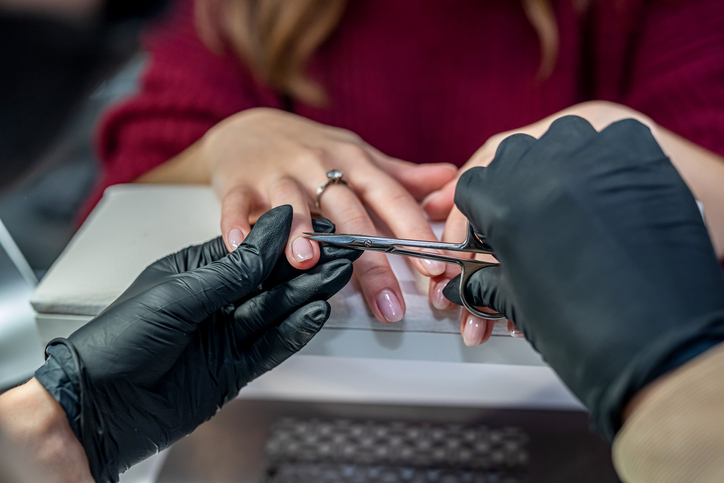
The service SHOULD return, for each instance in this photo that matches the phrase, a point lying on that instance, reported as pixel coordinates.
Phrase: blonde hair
(276, 38)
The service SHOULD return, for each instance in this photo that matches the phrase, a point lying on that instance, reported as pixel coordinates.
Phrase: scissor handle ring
(469, 267)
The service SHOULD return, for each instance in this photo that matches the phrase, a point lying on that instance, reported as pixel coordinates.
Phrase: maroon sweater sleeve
(185, 90)
(677, 70)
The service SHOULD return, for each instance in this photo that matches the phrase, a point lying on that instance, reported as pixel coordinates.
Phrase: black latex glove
(188, 334)
(606, 265)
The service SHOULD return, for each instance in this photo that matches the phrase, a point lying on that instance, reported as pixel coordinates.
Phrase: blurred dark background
(63, 62)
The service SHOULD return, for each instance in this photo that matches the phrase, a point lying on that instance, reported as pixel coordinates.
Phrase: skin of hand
(184, 338)
(261, 158)
(606, 264)
(702, 170)
(36, 442)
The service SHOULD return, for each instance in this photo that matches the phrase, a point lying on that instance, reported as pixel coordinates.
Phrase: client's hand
(262, 158)
(606, 265)
(188, 334)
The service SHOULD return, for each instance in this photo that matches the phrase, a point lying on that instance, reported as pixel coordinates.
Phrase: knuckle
(375, 270)
(309, 156)
(356, 219)
(355, 152)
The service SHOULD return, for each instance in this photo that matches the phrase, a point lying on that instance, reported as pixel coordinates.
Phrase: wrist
(666, 372)
(37, 427)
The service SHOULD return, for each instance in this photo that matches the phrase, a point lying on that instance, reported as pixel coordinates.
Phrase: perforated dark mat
(345, 450)
(308, 442)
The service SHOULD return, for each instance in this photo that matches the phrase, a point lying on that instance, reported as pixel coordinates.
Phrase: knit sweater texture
(431, 80)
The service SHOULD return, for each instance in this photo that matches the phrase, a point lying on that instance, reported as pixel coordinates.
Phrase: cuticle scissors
(468, 266)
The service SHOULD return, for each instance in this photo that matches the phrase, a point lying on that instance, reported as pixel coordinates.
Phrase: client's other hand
(186, 336)
(606, 265)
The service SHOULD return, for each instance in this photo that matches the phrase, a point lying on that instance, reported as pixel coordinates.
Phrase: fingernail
(434, 267)
(235, 238)
(473, 331)
(514, 332)
(430, 197)
(438, 299)
(302, 249)
(389, 306)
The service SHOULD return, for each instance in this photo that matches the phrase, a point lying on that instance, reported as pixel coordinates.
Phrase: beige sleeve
(677, 432)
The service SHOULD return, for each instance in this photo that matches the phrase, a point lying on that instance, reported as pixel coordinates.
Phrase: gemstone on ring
(334, 175)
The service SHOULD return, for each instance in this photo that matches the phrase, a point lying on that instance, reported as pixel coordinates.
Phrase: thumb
(485, 288)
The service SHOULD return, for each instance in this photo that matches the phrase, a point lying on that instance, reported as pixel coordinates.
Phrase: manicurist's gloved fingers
(565, 133)
(240, 272)
(284, 272)
(263, 311)
(474, 186)
(279, 343)
(485, 288)
(512, 148)
(194, 257)
(640, 145)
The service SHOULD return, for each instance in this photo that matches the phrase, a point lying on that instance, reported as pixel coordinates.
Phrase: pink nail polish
(473, 331)
(302, 249)
(389, 306)
(235, 238)
(434, 267)
(438, 299)
(518, 334)
(430, 197)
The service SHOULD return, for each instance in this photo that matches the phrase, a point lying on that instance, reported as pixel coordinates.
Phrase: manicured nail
(235, 238)
(438, 299)
(302, 249)
(514, 332)
(434, 267)
(389, 306)
(473, 331)
(430, 197)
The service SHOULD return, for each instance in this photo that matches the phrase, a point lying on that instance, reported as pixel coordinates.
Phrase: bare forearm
(185, 168)
(35, 427)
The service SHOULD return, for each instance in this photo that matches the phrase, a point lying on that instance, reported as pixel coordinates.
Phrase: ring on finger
(334, 176)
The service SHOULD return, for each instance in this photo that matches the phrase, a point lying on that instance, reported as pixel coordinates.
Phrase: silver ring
(334, 176)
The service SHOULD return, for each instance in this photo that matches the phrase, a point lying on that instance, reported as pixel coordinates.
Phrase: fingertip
(438, 204)
(490, 325)
(235, 225)
(234, 238)
(437, 294)
(450, 291)
(475, 330)
(302, 253)
(319, 311)
(389, 306)
(514, 331)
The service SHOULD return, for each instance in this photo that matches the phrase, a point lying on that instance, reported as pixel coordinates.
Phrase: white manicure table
(421, 360)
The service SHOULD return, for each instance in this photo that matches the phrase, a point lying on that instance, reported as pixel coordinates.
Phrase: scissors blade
(338, 239)
(375, 243)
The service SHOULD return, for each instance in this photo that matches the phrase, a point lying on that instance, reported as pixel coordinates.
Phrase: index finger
(396, 207)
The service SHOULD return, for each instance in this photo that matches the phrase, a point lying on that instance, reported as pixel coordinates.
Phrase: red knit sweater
(431, 80)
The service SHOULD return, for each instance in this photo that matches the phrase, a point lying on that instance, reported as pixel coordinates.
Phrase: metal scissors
(472, 244)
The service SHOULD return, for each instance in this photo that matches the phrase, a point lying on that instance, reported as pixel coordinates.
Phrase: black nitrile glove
(605, 263)
(186, 336)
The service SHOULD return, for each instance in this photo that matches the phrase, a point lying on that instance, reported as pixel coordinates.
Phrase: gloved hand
(186, 336)
(606, 265)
